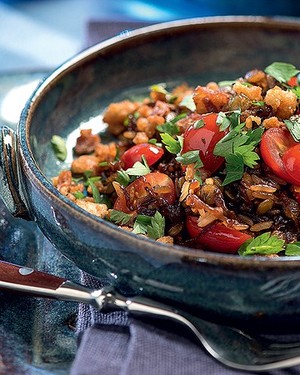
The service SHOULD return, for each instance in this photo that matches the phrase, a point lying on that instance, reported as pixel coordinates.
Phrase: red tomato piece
(293, 81)
(274, 144)
(204, 139)
(217, 237)
(157, 183)
(151, 153)
(291, 162)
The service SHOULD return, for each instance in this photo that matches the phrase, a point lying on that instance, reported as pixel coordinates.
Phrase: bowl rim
(47, 189)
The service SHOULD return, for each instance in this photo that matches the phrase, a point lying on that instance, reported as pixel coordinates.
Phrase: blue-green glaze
(254, 292)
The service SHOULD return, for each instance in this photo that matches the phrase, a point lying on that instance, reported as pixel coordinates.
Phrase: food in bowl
(215, 167)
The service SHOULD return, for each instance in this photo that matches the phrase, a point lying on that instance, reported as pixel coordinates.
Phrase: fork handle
(18, 275)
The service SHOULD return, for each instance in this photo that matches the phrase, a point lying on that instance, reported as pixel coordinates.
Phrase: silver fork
(230, 346)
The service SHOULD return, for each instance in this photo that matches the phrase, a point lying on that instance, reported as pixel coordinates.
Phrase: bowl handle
(10, 182)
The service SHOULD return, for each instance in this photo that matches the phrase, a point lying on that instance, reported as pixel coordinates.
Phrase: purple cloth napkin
(113, 343)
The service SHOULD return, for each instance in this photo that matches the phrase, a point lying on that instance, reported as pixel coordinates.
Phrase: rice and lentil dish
(215, 167)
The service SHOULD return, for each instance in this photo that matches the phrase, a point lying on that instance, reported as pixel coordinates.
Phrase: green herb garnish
(188, 102)
(156, 229)
(95, 192)
(293, 125)
(139, 168)
(123, 177)
(292, 249)
(78, 195)
(237, 146)
(141, 223)
(190, 157)
(296, 91)
(265, 244)
(161, 88)
(171, 127)
(153, 226)
(228, 119)
(59, 147)
(119, 217)
(234, 168)
(282, 72)
(173, 145)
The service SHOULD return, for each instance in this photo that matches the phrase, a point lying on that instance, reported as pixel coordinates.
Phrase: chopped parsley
(296, 91)
(282, 72)
(78, 195)
(95, 191)
(156, 229)
(152, 226)
(162, 89)
(188, 102)
(173, 145)
(264, 244)
(267, 244)
(237, 146)
(119, 217)
(139, 168)
(292, 249)
(59, 147)
(170, 127)
(293, 125)
(123, 178)
(190, 157)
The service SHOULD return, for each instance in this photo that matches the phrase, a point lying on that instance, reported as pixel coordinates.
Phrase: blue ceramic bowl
(253, 292)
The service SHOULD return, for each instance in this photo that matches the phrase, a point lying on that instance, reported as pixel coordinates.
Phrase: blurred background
(41, 34)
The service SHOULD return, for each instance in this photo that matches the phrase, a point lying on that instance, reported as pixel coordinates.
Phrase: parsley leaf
(188, 102)
(293, 125)
(141, 223)
(282, 72)
(78, 195)
(237, 147)
(292, 249)
(59, 147)
(264, 244)
(223, 121)
(190, 157)
(139, 168)
(161, 88)
(119, 217)
(199, 124)
(234, 168)
(171, 127)
(172, 145)
(249, 156)
(122, 178)
(95, 191)
(296, 91)
(226, 83)
(157, 227)
(153, 226)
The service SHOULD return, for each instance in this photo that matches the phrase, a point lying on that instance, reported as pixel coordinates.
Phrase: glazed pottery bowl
(224, 288)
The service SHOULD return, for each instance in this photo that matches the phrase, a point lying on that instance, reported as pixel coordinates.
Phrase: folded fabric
(115, 344)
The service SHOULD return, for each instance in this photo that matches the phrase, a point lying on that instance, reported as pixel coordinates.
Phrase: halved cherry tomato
(293, 81)
(216, 237)
(204, 139)
(274, 144)
(291, 163)
(151, 153)
(157, 183)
